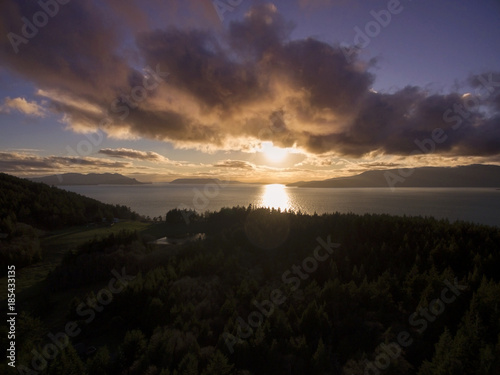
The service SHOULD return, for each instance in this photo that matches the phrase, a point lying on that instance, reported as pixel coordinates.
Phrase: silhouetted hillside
(47, 207)
(464, 176)
(87, 179)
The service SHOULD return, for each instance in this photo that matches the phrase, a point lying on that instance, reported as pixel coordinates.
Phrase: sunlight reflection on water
(275, 196)
(480, 205)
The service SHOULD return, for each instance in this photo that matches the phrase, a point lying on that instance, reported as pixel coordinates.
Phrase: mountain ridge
(475, 175)
(87, 179)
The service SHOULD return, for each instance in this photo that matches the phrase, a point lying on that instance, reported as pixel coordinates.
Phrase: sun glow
(273, 153)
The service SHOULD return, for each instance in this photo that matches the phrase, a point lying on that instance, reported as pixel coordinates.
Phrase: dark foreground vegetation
(268, 292)
(27, 209)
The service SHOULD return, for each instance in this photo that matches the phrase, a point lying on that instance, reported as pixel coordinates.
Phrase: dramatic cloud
(226, 90)
(128, 153)
(237, 164)
(23, 106)
(22, 162)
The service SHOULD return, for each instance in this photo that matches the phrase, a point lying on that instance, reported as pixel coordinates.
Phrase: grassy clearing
(31, 287)
(55, 245)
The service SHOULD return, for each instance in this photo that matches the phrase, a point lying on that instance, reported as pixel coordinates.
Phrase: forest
(271, 292)
(27, 209)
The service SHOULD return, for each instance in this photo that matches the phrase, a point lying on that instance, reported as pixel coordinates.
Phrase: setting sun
(273, 153)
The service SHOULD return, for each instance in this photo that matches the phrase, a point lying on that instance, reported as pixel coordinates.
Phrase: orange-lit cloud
(23, 106)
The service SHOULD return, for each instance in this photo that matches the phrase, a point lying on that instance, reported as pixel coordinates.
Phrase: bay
(479, 205)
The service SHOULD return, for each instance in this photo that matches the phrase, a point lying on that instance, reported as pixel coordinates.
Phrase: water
(480, 205)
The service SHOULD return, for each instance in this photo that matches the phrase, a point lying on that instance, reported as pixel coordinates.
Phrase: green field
(30, 280)
(31, 286)
(58, 243)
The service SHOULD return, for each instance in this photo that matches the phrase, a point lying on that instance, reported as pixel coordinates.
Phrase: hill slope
(87, 179)
(48, 207)
(464, 176)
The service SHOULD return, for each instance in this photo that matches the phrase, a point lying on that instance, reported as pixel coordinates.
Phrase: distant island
(203, 181)
(87, 179)
(463, 176)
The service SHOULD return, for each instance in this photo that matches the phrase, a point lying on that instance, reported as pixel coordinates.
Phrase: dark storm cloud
(74, 51)
(251, 82)
(261, 32)
(199, 66)
(398, 123)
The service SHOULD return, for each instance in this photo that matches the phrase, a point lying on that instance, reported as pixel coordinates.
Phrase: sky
(255, 91)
